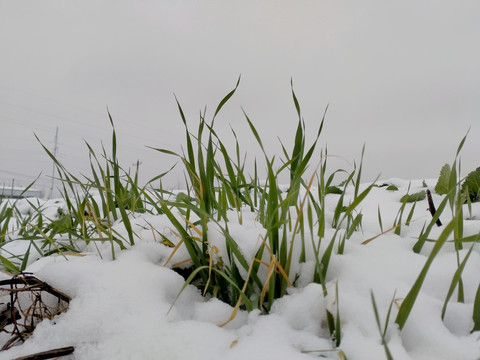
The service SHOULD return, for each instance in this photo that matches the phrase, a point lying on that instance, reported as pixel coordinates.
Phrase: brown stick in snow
(50, 354)
(431, 207)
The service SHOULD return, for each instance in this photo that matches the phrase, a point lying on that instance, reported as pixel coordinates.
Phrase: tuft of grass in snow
(383, 332)
(449, 184)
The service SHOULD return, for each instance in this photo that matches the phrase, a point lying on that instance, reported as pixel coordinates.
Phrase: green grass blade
(410, 214)
(460, 146)
(424, 234)
(382, 333)
(356, 223)
(255, 132)
(338, 323)
(380, 219)
(359, 199)
(456, 280)
(476, 311)
(127, 224)
(9, 266)
(226, 98)
(359, 173)
(198, 258)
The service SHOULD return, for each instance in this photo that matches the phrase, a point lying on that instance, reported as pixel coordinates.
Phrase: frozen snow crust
(122, 309)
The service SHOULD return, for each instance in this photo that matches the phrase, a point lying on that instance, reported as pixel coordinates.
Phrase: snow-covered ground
(122, 309)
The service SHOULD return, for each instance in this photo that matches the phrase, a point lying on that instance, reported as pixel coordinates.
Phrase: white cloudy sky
(403, 77)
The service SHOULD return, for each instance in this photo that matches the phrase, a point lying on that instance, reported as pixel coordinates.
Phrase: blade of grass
(476, 311)
(225, 99)
(456, 279)
(382, 333)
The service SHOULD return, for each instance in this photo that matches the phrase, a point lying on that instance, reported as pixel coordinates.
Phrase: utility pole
(55, 149)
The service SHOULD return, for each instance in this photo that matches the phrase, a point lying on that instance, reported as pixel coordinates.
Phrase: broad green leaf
(442, 184)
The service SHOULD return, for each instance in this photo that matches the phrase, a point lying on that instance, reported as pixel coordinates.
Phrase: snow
(129, 308)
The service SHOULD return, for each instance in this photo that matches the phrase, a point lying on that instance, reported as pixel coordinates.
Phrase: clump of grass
(383, 331)
(219, 183)
(455, 197)
(411, 297)
(93, 205)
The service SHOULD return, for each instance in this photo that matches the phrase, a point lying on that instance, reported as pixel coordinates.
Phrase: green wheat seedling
(455, 198)
(16, 225)
(218, 183)
(215, 192)
(398, 222)
(383, 332)
(448, 185)
(11, 220)
(476, 311)
(352, 222)
(457, 280)
(348, 215)
(411, 297)
(334, 322)
(274, 205)
(119, 194)
(8, 219)
(379, 216)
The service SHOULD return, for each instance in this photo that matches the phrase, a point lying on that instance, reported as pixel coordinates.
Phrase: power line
(22, 123)
(81, 123)
(49, 99)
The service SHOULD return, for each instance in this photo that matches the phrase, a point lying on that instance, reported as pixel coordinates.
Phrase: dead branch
(50, 354)
(431, 207)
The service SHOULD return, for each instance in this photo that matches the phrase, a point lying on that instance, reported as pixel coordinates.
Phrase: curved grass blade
(225, 99)
(382, 333)
(476, 311)
(255, 132)
(456, 280)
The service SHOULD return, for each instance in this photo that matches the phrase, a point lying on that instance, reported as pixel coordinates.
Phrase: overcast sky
(403, 77)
